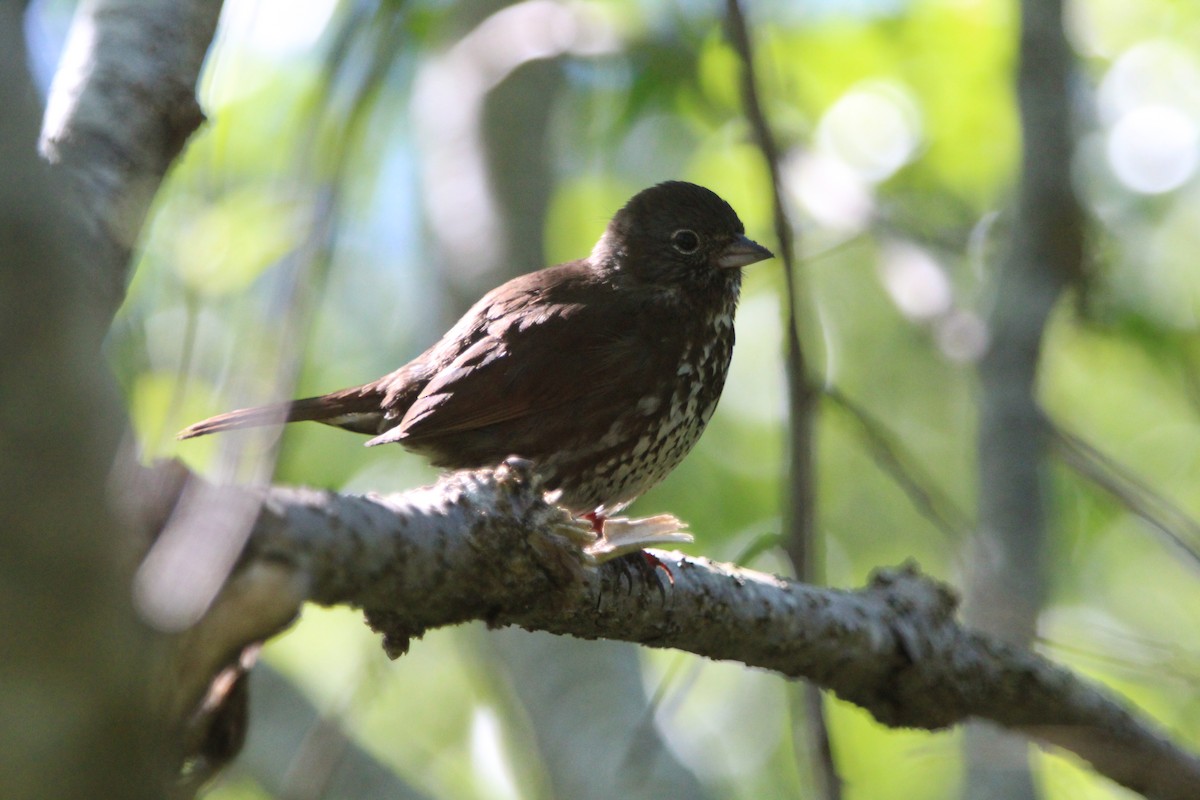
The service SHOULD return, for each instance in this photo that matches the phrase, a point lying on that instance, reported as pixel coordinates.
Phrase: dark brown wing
(555, 343)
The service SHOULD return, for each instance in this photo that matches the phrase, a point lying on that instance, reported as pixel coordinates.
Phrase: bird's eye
(685, 241)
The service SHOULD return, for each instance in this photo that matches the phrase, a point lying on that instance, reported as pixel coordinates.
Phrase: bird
(602, 372)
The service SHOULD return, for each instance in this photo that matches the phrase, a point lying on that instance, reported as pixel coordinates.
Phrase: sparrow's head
(677, 233)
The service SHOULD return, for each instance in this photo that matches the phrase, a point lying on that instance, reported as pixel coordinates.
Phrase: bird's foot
(620, 536)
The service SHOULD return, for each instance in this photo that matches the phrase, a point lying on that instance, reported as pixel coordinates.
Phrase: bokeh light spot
(874, 129)
(1153, 149)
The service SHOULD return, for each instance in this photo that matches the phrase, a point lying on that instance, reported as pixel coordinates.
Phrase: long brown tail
(358, 409)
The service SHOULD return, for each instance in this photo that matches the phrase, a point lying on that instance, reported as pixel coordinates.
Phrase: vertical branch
(1006, 591)
(75, 717)
(121, 108)
(802, 397)
(800, 514)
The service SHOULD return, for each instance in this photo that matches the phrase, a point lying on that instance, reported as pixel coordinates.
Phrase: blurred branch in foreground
(76, 720)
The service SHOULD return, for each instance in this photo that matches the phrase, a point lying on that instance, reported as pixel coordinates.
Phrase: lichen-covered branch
(484, 545)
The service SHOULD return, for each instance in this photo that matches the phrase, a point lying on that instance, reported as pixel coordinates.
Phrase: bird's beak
(742, 252)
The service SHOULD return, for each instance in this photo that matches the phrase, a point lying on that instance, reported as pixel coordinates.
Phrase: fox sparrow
(603, 371)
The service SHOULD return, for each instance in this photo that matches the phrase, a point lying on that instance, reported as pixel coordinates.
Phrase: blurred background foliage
(370, 167)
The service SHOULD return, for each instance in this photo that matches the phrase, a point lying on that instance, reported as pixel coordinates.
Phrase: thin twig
(803, 399)
(1127, 489)
(891, 457)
